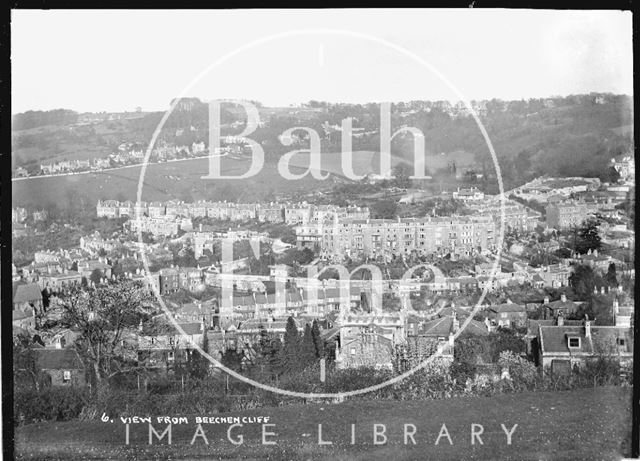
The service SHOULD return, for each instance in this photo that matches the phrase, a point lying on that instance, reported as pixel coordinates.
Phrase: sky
(117, 60)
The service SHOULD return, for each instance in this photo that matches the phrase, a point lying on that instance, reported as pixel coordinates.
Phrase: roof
(554, 339)
(20, 314)
(55, 359)
(444, 326)
(507, 307)
(559, 304)
(166, 329)
(532, 325)
(26, 292)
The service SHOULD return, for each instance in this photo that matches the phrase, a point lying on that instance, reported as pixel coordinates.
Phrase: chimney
(140, 326)
(616, 306)
(563, 298)
(602, 290)
(560, 320)
(587, 327)
(546, 300)
(451, 340)
(456, 323)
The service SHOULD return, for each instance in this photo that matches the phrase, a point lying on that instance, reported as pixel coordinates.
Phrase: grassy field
(569, 425)
(366, 162)
(172, 180)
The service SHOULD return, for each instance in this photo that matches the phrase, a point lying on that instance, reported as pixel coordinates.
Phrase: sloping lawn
(568, 425)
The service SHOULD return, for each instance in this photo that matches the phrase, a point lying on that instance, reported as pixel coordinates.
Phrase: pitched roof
(167, 329)
(603, 339)
(55, 359)
(20, 314)
(26, 292)
(507, 307)
(444, 326)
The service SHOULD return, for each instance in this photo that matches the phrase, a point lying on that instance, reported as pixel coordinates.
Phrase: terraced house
(384, 238)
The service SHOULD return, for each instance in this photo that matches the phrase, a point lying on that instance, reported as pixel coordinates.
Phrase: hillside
(586, 424)
(575, 135)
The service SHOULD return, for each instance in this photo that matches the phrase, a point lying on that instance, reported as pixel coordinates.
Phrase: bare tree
(103, 317)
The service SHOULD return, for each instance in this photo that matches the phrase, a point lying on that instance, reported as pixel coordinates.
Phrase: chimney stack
(546, 300)
(560, 319)
(563, 298)
(451, 340)
(587, 327)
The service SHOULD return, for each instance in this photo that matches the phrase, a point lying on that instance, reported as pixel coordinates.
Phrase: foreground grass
(581, 424)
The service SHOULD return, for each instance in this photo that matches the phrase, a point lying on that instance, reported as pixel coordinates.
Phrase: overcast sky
(98, 60)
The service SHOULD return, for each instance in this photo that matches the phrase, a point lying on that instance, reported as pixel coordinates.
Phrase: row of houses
(289, 213)
(372, 238)
(160, 225)
(19, 215)
(517, 217)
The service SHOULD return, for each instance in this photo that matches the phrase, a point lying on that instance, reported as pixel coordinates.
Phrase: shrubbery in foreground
(435, 381)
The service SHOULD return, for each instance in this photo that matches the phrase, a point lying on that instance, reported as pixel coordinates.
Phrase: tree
(583, 280)
(96, 276)
(401, 175)
(308, 348)
(317, 339)
(198, 364)
(232, 359)
(290, 353)
(611, 277)
(588, 237)
(102, 316)
(611, 175)
(270, 351)
(25, 364)
(385, 209)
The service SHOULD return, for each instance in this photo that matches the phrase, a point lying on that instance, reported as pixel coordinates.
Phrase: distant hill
(563, 136)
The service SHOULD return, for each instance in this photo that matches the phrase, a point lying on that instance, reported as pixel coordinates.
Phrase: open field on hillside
(172, 180)
(585, 424)
(366, 162)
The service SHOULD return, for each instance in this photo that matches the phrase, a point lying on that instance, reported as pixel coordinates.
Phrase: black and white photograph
(319, 234)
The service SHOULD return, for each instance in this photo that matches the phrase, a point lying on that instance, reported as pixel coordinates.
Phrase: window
(621, 342)
(66, 376)
(574, 342)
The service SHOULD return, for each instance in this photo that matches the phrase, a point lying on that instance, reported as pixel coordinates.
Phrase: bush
(523, 373)
(51, 404)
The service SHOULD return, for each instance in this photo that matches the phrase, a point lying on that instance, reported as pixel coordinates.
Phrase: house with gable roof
(563, 347)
